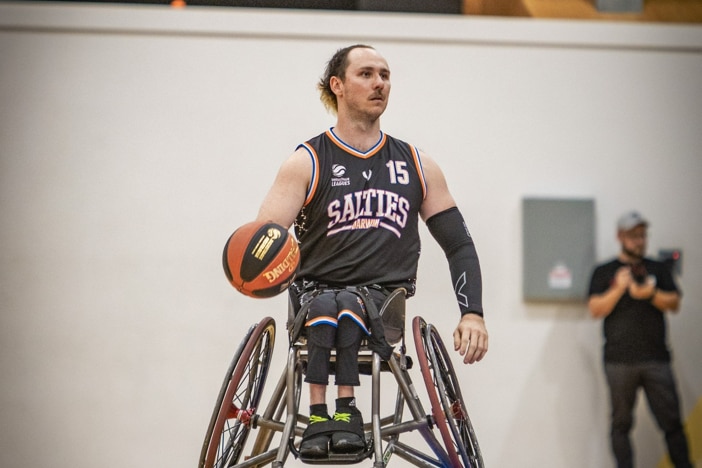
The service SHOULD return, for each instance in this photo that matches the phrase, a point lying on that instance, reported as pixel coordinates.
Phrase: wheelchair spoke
(444, 392)
(239, 397)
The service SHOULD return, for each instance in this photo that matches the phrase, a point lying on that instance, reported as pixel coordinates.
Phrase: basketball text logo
(264, 243)
(289, 264)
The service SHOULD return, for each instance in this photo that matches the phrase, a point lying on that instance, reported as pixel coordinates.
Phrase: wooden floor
(663, 11)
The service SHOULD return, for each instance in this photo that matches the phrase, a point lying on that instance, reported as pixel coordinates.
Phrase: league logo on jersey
(338, 172)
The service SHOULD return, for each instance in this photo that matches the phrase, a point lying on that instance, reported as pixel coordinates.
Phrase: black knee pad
(348, 341)
(347, 367)
(318, 365)
(321, 321)
(351, 320)
(349, 334)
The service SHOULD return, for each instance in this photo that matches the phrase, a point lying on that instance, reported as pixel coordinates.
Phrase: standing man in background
(632, 293)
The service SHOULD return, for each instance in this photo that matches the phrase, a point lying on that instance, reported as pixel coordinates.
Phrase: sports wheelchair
(242, 431)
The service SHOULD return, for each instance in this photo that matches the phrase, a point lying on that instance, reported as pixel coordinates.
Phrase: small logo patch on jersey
(367, 174)
(338, 172)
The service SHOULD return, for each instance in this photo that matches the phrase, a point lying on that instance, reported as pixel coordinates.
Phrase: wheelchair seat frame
(447, 429)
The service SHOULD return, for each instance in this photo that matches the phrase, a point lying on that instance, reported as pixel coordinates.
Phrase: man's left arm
(470, 338)
(447, 226)
(660, 290)
(666, 301)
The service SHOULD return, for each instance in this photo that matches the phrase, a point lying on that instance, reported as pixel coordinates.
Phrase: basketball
(261, 259)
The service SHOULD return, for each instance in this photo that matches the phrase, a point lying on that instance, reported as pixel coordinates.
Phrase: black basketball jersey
(358, 225)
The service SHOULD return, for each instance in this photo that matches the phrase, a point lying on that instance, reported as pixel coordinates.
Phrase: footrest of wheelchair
(340, 458)
(366, 367)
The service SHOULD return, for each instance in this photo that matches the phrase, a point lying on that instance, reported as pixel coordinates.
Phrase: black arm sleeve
(450, 231)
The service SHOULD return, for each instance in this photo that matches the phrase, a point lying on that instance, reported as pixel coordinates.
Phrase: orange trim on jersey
(353, 151)
(420, 170)
(314, 180)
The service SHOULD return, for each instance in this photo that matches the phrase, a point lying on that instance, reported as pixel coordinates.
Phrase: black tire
(238, 398)
(448, 407)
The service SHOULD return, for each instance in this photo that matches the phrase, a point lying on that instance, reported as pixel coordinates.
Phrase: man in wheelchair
(336, 318)
(355, 195)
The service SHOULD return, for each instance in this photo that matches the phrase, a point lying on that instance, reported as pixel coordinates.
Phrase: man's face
(634, 242)
(365, 89)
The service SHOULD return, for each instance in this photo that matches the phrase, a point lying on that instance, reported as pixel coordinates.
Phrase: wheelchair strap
(376, 340)
(310, 289)
(299, 320)
(330, 427)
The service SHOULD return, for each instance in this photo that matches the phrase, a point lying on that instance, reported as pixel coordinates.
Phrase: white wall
(133, 140)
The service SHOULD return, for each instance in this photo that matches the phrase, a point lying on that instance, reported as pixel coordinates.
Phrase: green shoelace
(317, 419)
(343, 417)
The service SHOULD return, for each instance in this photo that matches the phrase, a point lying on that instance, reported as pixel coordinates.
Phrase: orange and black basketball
(261, 259)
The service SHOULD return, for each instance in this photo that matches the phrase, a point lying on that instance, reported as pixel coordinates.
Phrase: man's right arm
(287, 195)
(601, 305)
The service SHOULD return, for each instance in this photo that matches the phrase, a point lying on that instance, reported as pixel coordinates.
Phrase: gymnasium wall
(134, 139)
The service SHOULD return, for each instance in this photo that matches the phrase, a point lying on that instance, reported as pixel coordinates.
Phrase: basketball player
(355, 195)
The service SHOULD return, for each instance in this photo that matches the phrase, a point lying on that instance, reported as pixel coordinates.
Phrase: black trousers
(658, 383)
(336, 319)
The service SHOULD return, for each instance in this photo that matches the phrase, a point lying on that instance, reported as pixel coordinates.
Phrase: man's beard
(634, 255)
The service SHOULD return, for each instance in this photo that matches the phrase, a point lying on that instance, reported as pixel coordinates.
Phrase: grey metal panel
(558, 248)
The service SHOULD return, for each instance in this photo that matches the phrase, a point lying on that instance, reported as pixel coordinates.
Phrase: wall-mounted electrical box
(558, 248)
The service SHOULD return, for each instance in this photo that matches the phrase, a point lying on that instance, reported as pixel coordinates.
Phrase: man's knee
(322, 322)
(351, 320)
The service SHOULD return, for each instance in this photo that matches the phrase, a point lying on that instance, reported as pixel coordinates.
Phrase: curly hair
(336, 66)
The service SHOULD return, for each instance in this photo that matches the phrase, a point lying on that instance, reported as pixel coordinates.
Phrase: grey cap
(630, 220)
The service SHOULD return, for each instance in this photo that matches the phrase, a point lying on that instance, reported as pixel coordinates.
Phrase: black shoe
(314, 444)
(351, 440)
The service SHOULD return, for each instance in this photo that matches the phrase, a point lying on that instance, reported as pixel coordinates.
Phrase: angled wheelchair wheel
(448, 407)
(238, 398)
